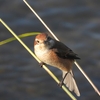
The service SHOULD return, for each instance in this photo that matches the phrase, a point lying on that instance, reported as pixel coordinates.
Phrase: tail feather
(69, 81)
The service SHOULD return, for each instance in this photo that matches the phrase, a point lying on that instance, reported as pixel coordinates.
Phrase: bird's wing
(63, 51)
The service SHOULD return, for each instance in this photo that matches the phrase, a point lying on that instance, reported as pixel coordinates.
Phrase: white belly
(43, 56)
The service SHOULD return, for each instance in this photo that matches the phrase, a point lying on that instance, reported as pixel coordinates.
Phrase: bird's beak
(45, 42)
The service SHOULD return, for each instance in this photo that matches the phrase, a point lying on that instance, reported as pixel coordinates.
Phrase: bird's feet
(41, 64)
(60, 83)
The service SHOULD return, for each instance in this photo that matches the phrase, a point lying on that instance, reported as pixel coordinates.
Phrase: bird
(58, 55)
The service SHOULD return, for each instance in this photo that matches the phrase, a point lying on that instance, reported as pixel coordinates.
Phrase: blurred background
(75, 22)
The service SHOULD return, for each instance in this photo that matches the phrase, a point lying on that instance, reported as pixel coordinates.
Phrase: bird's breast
(50, 57)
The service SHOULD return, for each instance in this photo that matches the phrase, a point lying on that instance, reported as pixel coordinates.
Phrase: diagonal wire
(78, 66)
(33, 55)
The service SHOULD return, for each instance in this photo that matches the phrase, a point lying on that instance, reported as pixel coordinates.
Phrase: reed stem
(33, 55)
(85, 75)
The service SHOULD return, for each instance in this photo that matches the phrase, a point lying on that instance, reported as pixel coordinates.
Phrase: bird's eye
(37, 41)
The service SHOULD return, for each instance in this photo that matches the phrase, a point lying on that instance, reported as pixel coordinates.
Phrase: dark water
(74, 22)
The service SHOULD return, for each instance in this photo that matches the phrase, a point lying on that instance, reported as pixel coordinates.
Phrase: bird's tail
(69, 81)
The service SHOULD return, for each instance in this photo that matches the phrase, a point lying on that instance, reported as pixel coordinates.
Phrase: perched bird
(56, 54)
